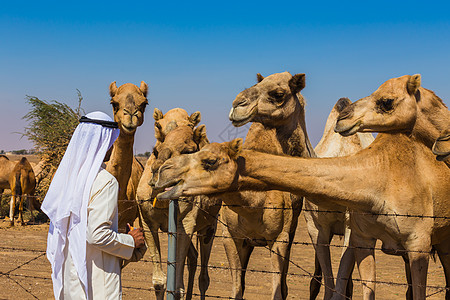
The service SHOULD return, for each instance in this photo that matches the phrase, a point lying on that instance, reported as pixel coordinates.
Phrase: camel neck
(121, 161)
(325, 179)
(289, 138)
(432, 118)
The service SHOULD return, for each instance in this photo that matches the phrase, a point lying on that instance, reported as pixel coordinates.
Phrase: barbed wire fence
(303, 272)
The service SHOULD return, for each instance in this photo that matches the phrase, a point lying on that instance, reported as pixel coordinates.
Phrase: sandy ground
(32, 280)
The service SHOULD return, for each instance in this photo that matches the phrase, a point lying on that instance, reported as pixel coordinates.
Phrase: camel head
(128, 102)
(442, 146)
(164, 123)
(181, 140)
(271, 101)
(211, 170)
(391, 108)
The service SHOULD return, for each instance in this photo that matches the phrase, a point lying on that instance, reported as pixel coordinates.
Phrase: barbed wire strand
(439, 288)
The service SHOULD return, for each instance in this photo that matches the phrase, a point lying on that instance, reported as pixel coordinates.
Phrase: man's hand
(138, 236)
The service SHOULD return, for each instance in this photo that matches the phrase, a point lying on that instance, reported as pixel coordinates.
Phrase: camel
(277, 110)
(22, 183)
(155, 218)
(6, 168)
(395, 177)
(128, 102)
(322, 225)
(442, 146)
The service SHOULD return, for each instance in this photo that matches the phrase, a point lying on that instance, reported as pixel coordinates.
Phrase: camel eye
(115, 106)
(386, 105)
(210, 164)
(277, 96)
(188, 151)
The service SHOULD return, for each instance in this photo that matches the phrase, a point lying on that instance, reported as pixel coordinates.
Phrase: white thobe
(105, 247)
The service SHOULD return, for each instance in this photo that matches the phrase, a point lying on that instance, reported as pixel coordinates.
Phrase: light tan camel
(321, 221)
(22, 183)
(163, 125)
(442, 146)
(277, 110)
(128, 102)
(6, 168)
(155, 218)
(395, 177)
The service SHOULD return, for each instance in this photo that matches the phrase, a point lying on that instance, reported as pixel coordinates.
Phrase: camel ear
(259, 77)
(235, 148)
(195, 118)
(158, 132)
(297, 83)
(157, 114)
(341, 104)
(112, 89)
(200, 134)
(144, 88)
(413, 84)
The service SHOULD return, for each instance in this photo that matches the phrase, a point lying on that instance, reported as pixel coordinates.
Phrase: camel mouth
(347, 130)
(239, 116)
(241, 122)
(129, 128)
(171, 190)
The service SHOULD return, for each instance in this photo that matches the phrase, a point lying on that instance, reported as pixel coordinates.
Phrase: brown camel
(321, 225)
(155, 218)
(396, 176)
(22, 183)
(442, 146)
(277, 110)
(128, 102)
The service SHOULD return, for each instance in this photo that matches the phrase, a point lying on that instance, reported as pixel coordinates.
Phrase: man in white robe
(83, 246)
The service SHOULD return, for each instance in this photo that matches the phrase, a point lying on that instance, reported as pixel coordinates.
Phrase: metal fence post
(172, 250)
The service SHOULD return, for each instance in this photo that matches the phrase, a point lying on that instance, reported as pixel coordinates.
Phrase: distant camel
(23, 184)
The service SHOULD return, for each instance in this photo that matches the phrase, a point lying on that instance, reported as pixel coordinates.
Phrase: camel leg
(21, 209)
(321, 237)
(184, 247)
(419, 268)
(12, 206)
(238, 254)
(206, 242)
(315, 283)
(280, 261)
(192, 257)
(365, 258)
(153, 246)
(443, 251)
(409, 294)
(344, 284)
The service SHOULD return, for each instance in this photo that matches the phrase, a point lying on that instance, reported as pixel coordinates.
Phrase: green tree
(50, 127)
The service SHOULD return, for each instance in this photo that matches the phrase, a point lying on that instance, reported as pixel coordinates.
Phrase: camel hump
(25, 163)
(2, 155)
(341, 104)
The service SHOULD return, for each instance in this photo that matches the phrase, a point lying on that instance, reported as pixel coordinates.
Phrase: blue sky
(199, 55)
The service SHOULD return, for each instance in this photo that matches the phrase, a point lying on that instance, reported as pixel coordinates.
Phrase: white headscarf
(68, 196)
